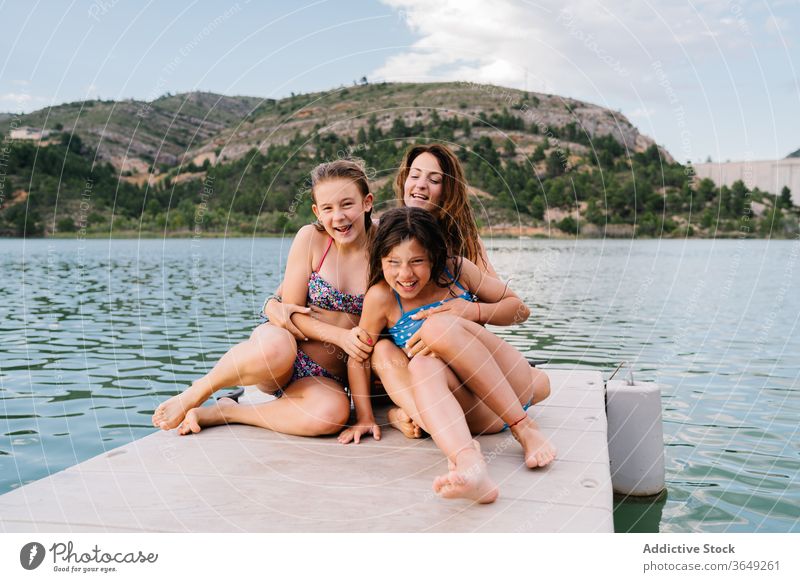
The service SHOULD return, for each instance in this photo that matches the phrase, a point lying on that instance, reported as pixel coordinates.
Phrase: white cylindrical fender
(635, 437)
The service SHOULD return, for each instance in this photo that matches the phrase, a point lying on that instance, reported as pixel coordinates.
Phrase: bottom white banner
(120, 557)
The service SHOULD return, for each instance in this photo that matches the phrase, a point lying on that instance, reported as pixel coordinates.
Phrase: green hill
(206, 163)
(134, 134)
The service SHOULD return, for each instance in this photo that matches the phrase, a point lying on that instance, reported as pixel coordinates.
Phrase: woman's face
(423, 186)
(407, 268)
(340, 208)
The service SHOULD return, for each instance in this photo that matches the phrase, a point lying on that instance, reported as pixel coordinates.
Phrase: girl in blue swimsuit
(432, 178)
(409, 273)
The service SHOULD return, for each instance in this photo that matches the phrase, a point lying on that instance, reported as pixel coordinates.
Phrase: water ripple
(94, 334)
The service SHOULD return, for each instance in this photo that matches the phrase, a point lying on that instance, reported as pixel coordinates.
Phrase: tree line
(594, 180)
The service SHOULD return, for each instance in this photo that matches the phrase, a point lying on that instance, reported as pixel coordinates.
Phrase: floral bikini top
(326, 296)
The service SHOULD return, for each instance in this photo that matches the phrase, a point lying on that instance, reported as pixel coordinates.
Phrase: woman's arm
(497, 304)
(485, 260)
(273, 299)
(373, 320)
(373, 316)
(358, 378)
(298, 267)
(279, 313)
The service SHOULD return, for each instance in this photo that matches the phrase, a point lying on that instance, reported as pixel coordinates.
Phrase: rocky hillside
(204, 163)
(132, 135)
(193, 127)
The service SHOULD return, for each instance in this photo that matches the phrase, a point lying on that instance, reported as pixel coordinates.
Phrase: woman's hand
(280, 314)
(359, 429)
(458, 307)
(355, 342)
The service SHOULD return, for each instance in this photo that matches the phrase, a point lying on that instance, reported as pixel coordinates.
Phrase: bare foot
(400, 420)
(451, 466)
(199, 418)
(538, 450)
(171, 413)
(468, 478)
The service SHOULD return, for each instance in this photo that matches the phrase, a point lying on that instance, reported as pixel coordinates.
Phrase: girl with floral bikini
(326, 268)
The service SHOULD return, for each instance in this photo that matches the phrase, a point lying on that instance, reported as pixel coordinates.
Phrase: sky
(715, 79)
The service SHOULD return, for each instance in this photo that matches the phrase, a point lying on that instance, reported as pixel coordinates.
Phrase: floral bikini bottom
(305, 367)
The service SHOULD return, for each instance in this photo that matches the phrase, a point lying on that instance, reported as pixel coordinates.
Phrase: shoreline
(484, 233)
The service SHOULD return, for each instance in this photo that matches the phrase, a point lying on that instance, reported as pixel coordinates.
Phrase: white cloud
(583, 48)
(645, 112)
(21, 102)
(777, 25)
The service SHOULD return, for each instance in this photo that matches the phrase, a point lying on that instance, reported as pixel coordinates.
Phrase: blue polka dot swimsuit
(405, 327)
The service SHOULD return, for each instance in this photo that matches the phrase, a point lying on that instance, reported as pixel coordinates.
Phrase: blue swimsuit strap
(466, 295)
(454, 280)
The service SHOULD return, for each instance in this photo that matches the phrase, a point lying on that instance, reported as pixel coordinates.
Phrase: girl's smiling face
(423, 186)
(407, 268)
(340, 207)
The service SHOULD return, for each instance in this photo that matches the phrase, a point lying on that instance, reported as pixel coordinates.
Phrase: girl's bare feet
(538, 450)
(171, 413)
(199, 418)
(403, 422)
(467, 478)
(451, 466)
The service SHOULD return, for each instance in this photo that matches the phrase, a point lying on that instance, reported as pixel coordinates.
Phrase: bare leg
(443, 418)
(266, 359)
(309, 407)
(476, 366)
(391, 365)
(451, 339)
(538, 451)
(513, 365)
(541, 385)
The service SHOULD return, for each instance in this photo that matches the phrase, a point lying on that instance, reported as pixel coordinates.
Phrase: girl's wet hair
(349, 169)
(455, 213)
(401, 224)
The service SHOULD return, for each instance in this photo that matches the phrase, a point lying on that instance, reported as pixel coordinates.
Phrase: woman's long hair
(406, 223)
(455, 214)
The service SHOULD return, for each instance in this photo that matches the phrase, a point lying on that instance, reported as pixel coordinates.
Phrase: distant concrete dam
(766, 175)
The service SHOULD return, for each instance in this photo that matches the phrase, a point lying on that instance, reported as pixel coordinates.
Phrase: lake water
(94, 333)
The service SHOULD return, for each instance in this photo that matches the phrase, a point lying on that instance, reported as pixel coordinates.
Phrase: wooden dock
(244, 479)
